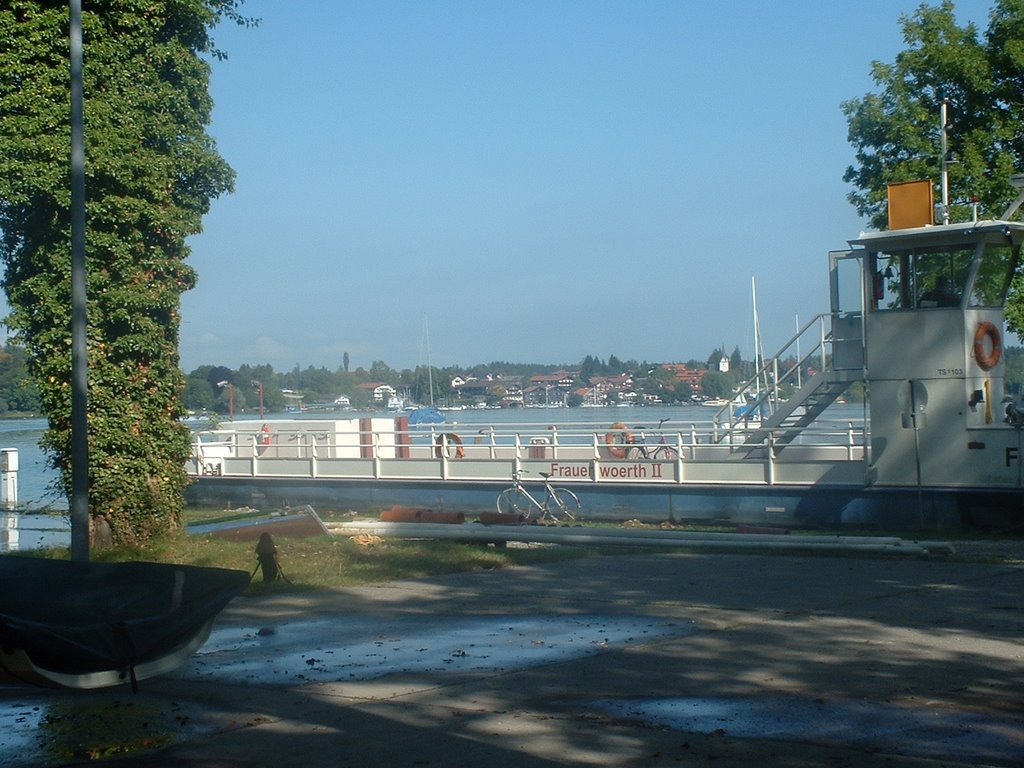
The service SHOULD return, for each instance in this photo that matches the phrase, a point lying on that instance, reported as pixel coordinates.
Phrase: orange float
(986, 359)
(443, 446)
(618, 439)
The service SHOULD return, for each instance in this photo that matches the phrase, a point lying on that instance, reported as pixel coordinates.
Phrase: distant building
(380, 393)
(682, 372)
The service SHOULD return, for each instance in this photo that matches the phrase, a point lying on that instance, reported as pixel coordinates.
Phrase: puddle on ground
(921, 731)
(363, 648)
(41, 729)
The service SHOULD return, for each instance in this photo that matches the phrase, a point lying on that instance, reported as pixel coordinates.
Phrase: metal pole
(79, 320)
(917, 453)
(945, 170)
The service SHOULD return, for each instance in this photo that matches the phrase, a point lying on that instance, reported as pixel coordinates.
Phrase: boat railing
(446, 451)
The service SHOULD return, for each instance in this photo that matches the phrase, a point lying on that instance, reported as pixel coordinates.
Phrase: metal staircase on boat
(763, 414)
(802, 407)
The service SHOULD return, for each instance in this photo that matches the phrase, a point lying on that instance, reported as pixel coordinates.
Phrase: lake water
(24, 530)
(34, 477)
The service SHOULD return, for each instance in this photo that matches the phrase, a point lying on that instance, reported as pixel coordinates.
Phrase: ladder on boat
(838, 363)
(805, 405)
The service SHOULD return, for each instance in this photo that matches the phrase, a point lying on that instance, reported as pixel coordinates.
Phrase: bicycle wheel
(514, 501)
(565, 502)
(666, 453)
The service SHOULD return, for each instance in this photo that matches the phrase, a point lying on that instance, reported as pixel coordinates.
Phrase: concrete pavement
(649, 659)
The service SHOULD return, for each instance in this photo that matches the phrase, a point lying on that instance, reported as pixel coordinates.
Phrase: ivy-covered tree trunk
(151, 172)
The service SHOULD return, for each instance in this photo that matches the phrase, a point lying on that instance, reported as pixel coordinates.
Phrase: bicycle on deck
(660, 451)
(558, 503)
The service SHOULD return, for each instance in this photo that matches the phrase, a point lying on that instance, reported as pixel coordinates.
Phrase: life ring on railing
(987, 360)
(443, 446)
(617, 448)
(265, 435)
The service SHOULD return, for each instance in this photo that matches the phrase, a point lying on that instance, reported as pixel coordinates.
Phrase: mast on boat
(758, 349)
(430, 368)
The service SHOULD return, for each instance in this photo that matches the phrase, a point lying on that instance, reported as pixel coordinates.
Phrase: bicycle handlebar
(661, 423)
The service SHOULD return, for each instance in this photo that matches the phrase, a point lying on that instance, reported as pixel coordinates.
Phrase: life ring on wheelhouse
(618, 438)
(444, 444)
(987, 360)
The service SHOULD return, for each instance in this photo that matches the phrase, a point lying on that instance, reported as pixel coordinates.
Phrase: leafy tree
(736, 361)
(199, 393)
(591, 366)
(716, 384)
(18, 393)
(382, 372)
(896, 131)
(682, 392)
(151, 172)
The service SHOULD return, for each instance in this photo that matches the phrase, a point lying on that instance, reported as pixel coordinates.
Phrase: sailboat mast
(757, 346)
(758, 350)
(430, 368)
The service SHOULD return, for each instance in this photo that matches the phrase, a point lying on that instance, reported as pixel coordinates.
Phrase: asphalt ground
(646, 660)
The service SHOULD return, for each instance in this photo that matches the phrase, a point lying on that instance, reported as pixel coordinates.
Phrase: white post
(9, 477)
(9, 539)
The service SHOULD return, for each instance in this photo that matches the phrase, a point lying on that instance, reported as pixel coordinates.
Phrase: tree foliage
(18, 393)
(151, 172)
(896, 131)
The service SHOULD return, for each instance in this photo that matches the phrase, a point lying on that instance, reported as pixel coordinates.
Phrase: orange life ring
(265, 435)
(444, 443)
(618, 449)
(987, 360)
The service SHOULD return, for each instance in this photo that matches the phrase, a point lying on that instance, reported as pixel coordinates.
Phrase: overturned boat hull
(94, 625)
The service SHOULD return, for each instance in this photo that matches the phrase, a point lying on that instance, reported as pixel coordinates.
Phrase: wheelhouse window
(994, 275)
(921, 278)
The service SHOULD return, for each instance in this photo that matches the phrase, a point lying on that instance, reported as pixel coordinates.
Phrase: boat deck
(571, 454)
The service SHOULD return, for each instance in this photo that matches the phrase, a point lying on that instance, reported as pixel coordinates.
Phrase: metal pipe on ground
(644, 538)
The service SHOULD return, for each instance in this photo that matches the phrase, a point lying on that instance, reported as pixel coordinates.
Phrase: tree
(896, 132)
(151, 172)
(18, 392)
(716, 384)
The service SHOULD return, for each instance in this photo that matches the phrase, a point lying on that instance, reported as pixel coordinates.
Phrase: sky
(472, 181)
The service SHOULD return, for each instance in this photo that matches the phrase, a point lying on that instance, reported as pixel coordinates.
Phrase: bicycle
(661, 451)
(558, 502)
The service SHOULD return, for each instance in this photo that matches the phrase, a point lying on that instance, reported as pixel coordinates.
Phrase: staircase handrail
(765, 401)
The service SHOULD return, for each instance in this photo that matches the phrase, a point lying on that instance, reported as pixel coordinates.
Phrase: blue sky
(532, 181)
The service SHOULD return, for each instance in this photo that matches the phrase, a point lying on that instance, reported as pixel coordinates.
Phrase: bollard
(266, 558)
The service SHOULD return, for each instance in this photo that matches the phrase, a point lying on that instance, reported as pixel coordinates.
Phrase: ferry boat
(916, 324)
